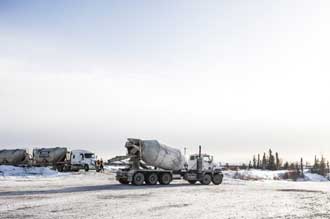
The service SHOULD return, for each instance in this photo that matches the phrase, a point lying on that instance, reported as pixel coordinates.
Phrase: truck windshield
(89, 155)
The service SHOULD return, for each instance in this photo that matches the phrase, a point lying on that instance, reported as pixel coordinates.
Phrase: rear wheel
(165, 179)
(152, 179)
(217, 179)
(138, 179)
(206, 180)
(192, 181)
(123, 181)
(60, 168)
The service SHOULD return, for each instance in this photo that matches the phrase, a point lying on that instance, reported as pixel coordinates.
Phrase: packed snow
(39, 192)
(98, 195)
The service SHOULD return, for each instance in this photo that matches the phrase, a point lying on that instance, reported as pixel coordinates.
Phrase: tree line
(271, 161)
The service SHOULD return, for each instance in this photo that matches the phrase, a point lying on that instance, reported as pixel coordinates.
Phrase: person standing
(101, 166)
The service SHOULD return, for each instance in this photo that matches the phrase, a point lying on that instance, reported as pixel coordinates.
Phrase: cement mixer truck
(151, 162)
(60, 158)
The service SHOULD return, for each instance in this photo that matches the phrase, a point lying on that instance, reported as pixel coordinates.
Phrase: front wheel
(192, 181)
(86, 168)
(217, 179)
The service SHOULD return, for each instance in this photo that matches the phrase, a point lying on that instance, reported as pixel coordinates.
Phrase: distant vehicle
(59, 158)
(151, 162)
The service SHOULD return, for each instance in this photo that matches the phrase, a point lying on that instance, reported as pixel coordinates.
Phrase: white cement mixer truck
(151, 162)
(60, 158)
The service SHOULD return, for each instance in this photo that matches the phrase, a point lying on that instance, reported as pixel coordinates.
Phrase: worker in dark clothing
(101, 166)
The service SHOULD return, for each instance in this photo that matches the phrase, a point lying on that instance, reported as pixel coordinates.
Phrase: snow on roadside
(13, 171)
(315, 177)
(253, 174)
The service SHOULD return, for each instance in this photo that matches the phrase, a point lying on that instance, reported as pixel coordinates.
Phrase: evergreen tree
(291, 166)
(254, 162)
(322, 167)
(278, 165)
(297, 169)
(302, 167)
(271, 162)
(250, 165)
(316, 163)
(328, 166)
(264, 161)
(258, 163)
(286, 165)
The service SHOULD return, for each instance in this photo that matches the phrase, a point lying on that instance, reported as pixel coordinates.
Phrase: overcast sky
(236, 77)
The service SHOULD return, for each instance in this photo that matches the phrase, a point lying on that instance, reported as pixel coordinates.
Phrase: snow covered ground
(7, 171)
(254, 174)
(98, 195)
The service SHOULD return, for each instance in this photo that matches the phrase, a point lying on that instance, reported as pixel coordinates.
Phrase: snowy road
(96, 195)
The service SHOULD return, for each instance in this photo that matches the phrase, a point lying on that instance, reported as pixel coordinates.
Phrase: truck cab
(82, 159)
(208, 163)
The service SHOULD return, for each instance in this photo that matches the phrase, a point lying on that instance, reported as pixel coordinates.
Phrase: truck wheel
(86, 168)
(138, 179)
(192, 181)
(217, 179)
(152, 179)
(206, 180)
(60, 168)
(123, 181)
(165, 179)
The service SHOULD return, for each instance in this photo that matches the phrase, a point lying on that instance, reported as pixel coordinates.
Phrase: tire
(60, 168)
(217, 179)
(123, 181)
(206, 180)
(165, 179)
(192, 181)
(86, 168)
(152, 179)
(138, 179)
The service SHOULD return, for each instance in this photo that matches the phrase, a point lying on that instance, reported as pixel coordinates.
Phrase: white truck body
(152, 162)
(82, 158)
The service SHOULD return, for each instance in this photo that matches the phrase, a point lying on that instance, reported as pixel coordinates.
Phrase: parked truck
(151, 162)
(60, 158)
(14, 156)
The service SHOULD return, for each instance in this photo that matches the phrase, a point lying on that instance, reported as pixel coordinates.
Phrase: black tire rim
(153, 179)
(217, 179)
(206, 179)
(166, 178)
(138, 179)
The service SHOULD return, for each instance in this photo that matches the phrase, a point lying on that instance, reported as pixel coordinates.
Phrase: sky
(237, 77)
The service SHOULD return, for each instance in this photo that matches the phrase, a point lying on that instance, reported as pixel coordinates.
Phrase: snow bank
(253, 174)
(6, 170)
(315, 177)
